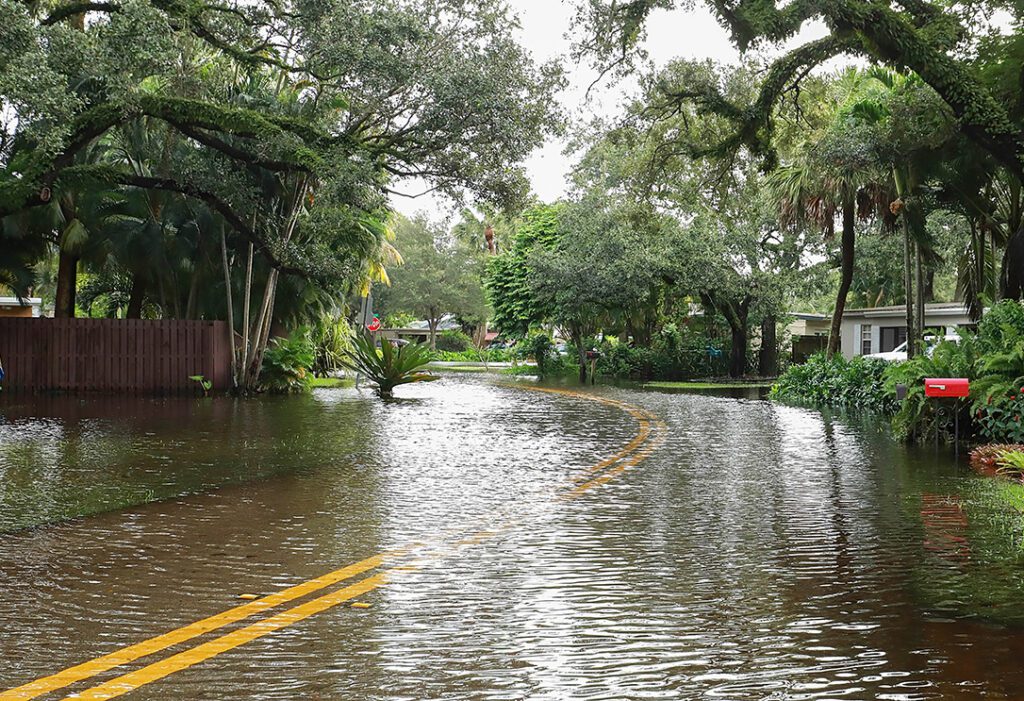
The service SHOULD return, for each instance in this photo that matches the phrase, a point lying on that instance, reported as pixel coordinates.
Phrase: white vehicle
(899, 353)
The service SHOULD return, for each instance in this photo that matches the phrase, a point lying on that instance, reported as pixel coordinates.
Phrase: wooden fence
(124, 356)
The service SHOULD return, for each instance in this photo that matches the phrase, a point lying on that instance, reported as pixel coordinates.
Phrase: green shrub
(837, 382)
(287, 363)
(332, 340)
(494, 355)
(453, 341)
(917, 415)
(539, 348)
(1000, 326)
(998, 382)
(674, 354)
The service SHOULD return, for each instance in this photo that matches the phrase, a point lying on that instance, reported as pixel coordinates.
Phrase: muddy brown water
(760, 552)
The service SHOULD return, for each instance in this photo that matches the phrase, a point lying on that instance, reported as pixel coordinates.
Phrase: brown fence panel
(114, 355)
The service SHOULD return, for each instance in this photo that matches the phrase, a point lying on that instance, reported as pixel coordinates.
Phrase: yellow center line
(182, 660)
(190, 631)
(160, 669)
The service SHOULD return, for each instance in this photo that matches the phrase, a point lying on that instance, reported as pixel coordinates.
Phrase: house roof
(899, 310)
(447, 323)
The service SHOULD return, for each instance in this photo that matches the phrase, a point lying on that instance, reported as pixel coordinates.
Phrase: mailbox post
(948, 387)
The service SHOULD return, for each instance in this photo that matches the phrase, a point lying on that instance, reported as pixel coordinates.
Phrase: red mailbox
(947, 387)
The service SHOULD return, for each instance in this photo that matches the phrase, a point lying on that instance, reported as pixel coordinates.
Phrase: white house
(881, 329)
(27, 307)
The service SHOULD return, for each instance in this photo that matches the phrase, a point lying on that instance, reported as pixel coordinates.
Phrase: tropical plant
(332, 341)
(918, 415)
(287, 363)
(388, 367)
(204, 384)
(1011, 462)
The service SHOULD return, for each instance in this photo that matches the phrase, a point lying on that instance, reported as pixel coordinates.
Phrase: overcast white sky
(545, 23)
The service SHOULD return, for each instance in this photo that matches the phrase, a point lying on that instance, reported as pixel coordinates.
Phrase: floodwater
(735, 549)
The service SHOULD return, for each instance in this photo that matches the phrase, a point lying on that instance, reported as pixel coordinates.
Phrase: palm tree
(810, 195)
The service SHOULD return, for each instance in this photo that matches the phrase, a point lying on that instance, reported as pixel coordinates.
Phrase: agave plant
(388, 367)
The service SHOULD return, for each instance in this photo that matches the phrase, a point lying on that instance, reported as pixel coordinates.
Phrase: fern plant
(388, 367)
(1011, 462)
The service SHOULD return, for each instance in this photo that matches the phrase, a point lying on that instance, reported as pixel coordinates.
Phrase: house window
(865, 339)
(892, 336)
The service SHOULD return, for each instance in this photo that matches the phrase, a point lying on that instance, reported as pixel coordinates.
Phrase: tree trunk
(738, 353)
(848, 251)
(432, 323)
(1011, 279)
(908, 288)
(67, 281)
(768, 357)
(230, 307)
(135, 297)
(581, 353)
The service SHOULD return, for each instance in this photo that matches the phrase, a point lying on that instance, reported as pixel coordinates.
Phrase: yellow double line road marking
(193, 630)
(204, 651)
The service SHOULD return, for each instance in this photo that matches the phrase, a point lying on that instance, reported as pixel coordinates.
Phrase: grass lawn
(459, 368)
(331, 382)
(707, 385)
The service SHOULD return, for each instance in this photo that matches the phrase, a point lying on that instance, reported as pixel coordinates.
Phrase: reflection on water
(763, 552)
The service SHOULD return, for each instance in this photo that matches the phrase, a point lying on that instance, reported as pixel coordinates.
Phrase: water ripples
(762, 552)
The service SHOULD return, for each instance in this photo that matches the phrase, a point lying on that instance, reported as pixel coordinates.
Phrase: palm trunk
(902, 191)
(919, 291)
(136, 297)
(847, 253)
(1011, 280)
(67, 282)
(908, 288)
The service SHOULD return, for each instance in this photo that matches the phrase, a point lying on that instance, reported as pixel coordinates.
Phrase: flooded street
(499, 543)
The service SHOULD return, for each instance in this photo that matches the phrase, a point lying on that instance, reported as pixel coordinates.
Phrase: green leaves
(388, 367)
(74, 237)
(508, 279)
(287, 363)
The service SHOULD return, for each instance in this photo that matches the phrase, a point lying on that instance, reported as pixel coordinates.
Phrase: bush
(453, 341)
(493, 355)
(1000, 326)
(539, 348)
(332, 341)
(917, 415)
(838, 382)
(673, 355)
(287, 363)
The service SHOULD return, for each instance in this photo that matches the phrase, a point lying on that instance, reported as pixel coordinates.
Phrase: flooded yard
(602, 543)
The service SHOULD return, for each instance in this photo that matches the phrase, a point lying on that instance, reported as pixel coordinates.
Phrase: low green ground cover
(707, 385)
(330, 382)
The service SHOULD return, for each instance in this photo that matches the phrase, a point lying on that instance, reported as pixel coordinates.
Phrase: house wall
(852, 327)
(15, 312)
